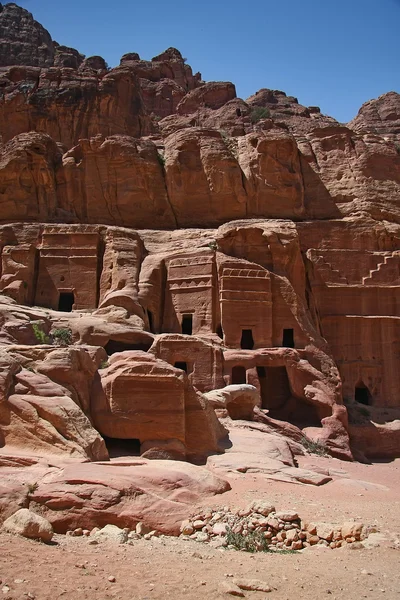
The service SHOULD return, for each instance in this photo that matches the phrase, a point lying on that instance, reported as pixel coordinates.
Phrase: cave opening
(247, 341)
(238, 375)
(122, 447)
(181, 365)
(187, 324)
(66, 301)
(362, 394)
(220, 332)
(288, 338)
(274, 388)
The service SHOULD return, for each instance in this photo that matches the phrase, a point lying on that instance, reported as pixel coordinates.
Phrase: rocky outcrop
(40, 417)
(146, 399)
(237, 400)
(295, 293)
(380, 116)
(287, 111)
(156, 493)
(23, 40)
(69, 105)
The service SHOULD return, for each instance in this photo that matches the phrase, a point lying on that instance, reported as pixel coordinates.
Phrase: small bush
(315, 447)
(39, 334)
(62, 336)
(213, 245)
(161, 159)
(259, 112)
(252, 542)
(103, 364)
(32, 487)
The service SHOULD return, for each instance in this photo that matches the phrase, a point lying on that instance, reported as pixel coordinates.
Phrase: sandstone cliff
(202, 239)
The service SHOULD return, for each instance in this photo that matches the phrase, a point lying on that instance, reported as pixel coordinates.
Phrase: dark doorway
(274, 395)
(181, 365)
(247, 342)
(113, 346)
(288, 338)
(150, 318)
(261, 372)
(238, 375)
(362, 394)
(66, 301)
(187, 324)
(119, 447)
(219, 332)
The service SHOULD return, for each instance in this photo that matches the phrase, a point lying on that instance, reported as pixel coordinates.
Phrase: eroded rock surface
(166, 246)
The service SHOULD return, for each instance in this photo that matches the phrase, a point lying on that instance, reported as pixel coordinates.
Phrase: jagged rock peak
(168, 55)
(23, 41)
(380, 115)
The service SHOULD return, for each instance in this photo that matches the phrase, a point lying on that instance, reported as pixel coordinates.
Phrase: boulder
(239, 400)
(30, 525)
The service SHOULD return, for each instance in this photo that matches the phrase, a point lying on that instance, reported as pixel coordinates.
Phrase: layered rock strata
(161, 239)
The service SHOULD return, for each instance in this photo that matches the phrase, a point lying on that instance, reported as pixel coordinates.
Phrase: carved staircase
(386, 272)
(325, 269)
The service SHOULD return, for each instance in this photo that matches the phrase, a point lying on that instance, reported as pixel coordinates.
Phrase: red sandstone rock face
(68, 104)
(213, 94)
(116, 180)
(111, 165)
(159, 493)
(146, 399)
(40, 417)
(381, 116)
(287, 111)
(24, 41)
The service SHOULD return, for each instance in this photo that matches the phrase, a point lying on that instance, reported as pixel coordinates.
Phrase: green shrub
(32, 487)
(161, 159)
(39, 334)
(62, 336)
(103, 364)
(252, 542)
(259, 112)
(314, 447)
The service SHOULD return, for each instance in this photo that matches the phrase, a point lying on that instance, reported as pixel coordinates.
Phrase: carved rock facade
(199, 241)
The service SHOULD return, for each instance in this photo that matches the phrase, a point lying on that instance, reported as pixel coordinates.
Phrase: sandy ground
(161, 568)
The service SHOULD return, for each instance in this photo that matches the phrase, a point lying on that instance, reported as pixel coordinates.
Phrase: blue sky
(336, 55)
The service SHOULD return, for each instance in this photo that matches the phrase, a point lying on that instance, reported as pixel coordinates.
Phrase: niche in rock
(362, 394)
(288, 338)
(238, 375)
(247, 341)
(274, 387)
(187, 324)
(66, 301)
(120, 447)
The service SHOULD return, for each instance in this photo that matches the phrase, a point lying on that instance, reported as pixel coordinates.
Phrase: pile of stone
(283, 530)
(113, 533)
